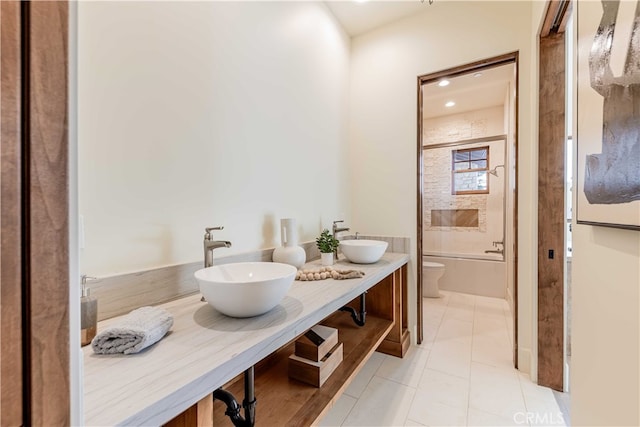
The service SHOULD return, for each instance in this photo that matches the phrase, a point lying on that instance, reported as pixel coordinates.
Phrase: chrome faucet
(210, 245)
(337, 230)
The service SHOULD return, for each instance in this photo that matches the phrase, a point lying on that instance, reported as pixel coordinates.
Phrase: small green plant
(326, 242)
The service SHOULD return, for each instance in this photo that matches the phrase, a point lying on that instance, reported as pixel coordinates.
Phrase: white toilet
(431, 273)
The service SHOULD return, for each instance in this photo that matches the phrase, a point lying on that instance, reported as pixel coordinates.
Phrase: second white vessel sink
(245, 289)
(363, 251)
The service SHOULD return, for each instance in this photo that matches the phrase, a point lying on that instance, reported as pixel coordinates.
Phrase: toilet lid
(432, 264)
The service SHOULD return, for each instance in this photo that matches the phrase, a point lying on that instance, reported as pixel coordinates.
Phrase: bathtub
(477, 274)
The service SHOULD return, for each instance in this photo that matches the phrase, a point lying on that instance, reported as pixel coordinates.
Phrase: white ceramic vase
(326, 259)
(289, 253)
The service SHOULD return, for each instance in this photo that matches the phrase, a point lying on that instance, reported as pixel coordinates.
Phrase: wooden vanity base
(199, 415)
(398, 341)
(282, 401)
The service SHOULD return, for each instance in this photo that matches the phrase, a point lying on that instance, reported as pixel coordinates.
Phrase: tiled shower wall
(437, 192)
(459, 127)
(437, 182)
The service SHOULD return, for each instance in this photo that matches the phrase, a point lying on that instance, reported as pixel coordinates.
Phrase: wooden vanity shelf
(286, 402)
(283, 401)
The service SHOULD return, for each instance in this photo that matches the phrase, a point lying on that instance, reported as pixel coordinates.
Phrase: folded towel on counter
(136, 331)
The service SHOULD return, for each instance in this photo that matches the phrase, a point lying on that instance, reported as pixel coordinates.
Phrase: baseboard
(524, 361)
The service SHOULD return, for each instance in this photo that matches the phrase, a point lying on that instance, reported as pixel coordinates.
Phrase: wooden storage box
(315, 373)
(307, 349)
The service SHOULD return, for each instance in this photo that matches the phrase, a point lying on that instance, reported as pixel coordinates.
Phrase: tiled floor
(461, 375)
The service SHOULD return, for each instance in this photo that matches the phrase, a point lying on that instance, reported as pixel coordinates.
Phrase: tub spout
(494, 251)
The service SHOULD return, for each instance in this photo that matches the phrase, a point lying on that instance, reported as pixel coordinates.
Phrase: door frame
(551, 195)
(35, 179)
(508, 58)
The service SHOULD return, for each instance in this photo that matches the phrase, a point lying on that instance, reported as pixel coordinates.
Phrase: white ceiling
(359, 17)
(468, 92)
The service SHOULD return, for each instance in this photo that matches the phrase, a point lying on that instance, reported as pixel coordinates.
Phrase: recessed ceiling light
(449, 104)
(477, 75)
(444, 83)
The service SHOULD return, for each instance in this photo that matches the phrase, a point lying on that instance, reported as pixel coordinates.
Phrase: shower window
(469, 171)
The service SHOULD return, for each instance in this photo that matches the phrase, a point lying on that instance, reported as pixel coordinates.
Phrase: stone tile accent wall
(437, 191)
(400, 245)
(456, 130)
(450, 129)
(459, 127)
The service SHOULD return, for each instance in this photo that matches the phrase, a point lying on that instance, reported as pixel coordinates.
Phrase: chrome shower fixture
(494, 171)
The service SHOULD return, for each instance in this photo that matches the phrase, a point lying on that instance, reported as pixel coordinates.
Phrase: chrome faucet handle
(357, 235)
(84, 279)
(208, 231)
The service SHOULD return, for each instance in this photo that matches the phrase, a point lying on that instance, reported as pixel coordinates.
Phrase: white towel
(136, 331)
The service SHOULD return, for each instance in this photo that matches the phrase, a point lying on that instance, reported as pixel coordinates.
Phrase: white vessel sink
(363, 251)
(245, 289)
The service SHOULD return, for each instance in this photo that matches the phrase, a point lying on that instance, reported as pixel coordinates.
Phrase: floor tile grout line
(473, 329)
(368, 382)
(359, 397)
(406, 418)
(435, 338)
(397, 382)
(349, 412)
(444, 372)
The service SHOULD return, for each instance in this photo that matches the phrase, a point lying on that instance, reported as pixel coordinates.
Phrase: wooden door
(11, 376)
(35, 225)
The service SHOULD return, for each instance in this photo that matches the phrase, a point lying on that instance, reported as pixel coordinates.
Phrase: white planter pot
(327, 259)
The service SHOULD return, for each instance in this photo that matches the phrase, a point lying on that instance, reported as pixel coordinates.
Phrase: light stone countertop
(206, 349)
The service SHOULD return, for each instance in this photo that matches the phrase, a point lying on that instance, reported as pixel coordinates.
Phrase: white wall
(196, 114)
(605, 347)
(382, 128)
(605, 328)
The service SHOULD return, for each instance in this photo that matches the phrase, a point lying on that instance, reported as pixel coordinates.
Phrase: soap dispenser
(88, 313)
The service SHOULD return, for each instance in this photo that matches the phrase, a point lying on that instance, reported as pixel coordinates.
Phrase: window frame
(454, 171)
